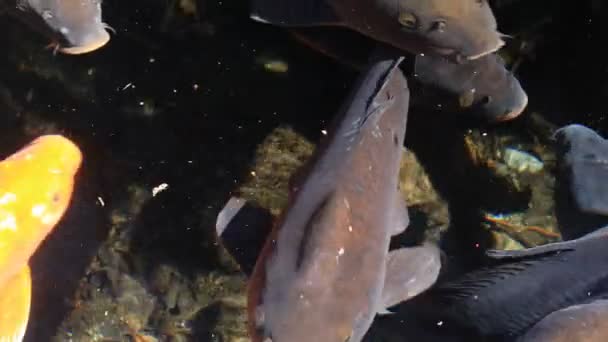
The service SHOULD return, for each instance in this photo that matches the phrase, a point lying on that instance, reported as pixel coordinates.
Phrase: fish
(483, 88)
(581, 195)
(36, 185)
(325, 270)
(584, 156)
(459, 30)
(585, 322)
(505, 300)
(76, 26)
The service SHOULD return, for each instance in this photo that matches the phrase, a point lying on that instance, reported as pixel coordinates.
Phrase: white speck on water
(324, 132)
(101, 202)
(159, 188)
(440, 323)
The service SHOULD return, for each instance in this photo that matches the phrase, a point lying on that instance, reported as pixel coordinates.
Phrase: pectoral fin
(401, 218)
(294, 13)
(409, 271)
(15, 297)
(242, 229)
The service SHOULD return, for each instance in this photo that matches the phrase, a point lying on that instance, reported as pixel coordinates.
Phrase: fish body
(482, 87)
(505, 300)
(585, 322)
(76, 25)
(581, 192)
(584, 157)
(36, 185)
(325, 270)
(459, 30)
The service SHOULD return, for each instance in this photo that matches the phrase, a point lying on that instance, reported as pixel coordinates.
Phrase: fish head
(458, 29)
(36, 185)
(483, 87)
(77, 22)
(497, 95)
(577, 139)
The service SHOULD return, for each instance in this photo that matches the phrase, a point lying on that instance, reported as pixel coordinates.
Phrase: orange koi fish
(36, 186)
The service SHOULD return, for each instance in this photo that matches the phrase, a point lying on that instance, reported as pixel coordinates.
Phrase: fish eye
(486, 99)
(438, 25)
(408, 20)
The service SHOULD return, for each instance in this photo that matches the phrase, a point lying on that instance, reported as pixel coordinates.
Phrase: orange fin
(15, 298)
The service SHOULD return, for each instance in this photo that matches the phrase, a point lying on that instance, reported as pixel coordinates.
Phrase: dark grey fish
(458, 29)
(584, 159)
(76, 24)
(525, 286)
(326, 270)
(482, 87)
(586, 322)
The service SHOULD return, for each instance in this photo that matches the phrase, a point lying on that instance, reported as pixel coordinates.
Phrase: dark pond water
(185, 100)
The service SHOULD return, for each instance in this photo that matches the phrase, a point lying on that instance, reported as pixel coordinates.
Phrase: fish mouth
(493, 49)
(515, 112)
(459, 57)
(102, 39)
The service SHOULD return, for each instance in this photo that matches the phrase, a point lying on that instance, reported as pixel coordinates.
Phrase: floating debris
(273, 64)
(159, 188)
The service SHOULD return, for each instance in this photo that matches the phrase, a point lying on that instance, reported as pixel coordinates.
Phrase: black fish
(503, 301)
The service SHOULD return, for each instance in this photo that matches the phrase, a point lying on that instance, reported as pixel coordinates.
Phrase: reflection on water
(185, 93)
